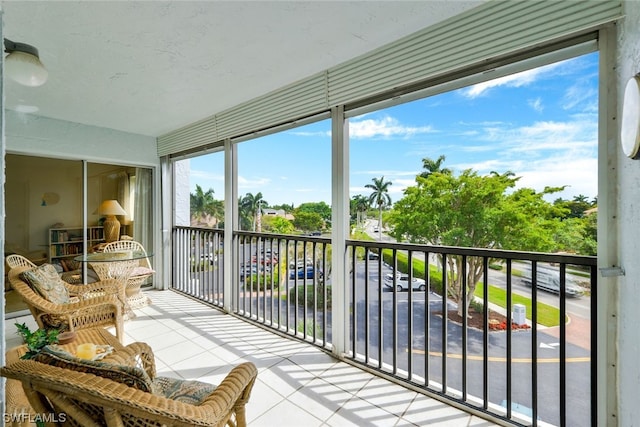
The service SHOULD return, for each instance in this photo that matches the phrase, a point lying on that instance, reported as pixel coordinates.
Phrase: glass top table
(112, 256)
(117, 265)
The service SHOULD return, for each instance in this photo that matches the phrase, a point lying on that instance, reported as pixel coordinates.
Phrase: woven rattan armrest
(135, 354)
(91, 290)
(76, 393)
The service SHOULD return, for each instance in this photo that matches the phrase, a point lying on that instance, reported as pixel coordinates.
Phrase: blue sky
(540, 124)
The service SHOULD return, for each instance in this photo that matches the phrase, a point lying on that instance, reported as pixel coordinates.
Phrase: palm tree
(360, 205)
(201, 203)
(433, 166)
(251, 205)
(379, 197)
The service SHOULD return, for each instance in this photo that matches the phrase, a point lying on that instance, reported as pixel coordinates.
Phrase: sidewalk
(578, 332)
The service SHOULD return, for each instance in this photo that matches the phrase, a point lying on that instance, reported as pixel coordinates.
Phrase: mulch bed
(497, 321)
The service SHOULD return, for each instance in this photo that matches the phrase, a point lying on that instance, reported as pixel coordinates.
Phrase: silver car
(552, 284)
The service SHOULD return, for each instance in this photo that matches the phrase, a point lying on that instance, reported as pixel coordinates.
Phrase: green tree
(202, 204)
(379, 197)
(431, 166)
(473, 211)
(358, 206)
(288, 208)
(250, 206)
(278, 224)
(308, 221)
(321, 208)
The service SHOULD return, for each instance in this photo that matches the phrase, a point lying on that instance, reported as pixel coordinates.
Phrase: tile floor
(297, 385)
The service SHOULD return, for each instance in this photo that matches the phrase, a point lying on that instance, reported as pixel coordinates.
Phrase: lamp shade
(111, 207)
(23, 65)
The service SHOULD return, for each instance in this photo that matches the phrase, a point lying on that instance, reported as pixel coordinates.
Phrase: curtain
(123, 196)
(142, 219)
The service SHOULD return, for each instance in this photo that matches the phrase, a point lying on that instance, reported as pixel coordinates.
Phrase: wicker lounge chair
(140, 274)
(15, 260)
(85, 398)
(96, 305)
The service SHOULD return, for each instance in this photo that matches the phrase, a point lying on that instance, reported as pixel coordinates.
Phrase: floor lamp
(111, 208)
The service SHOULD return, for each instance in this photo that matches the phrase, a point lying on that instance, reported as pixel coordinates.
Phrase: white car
(402, 282)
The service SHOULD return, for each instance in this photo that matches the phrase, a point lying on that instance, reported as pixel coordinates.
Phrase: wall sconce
(23, 65)
(111, 208)
(630, 126)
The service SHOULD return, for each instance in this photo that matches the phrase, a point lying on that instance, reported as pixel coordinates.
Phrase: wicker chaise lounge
(86, 399)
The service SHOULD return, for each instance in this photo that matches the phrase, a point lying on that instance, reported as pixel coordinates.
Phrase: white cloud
(303, 133)
(385, 127)
(536, 104)
(579, 174)
(523, 78)
(581, 95)
(244, 183)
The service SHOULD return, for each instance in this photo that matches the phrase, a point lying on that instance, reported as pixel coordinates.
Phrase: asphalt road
(410, 355)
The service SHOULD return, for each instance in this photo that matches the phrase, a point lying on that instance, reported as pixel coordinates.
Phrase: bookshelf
(68, 242)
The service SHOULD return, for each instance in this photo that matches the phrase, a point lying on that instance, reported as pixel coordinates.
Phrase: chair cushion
(47, 283)
(186, 391)
(141, 271)
(131, 376)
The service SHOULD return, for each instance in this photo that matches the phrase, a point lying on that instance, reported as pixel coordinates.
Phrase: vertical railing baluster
(427, 316)
(410, 317)
(394, 318)
(534, 343)
(366, 303)
(354, 305)
(380, 311)
(324, 294)
(445, 318)
(485, 333)
(509, 354)
(592, 345)
(464, 335)
(563, 345)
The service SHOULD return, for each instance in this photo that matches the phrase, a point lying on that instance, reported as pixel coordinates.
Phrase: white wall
(182, 200)
(28, 134)
(628, 208)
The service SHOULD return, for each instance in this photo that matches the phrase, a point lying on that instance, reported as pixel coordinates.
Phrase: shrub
(260, 282)
(308, 299)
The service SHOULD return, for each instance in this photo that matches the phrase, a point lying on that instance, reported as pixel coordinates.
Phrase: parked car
(376, 229)
(209, 257)
(247, 271)
(373, 255)
(552, 284)
(300, 273)
(402, 282)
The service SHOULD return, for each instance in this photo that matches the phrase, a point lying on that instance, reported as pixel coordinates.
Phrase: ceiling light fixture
(23, 65)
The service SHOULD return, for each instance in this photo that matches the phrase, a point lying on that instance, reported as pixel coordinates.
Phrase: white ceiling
(150, 67)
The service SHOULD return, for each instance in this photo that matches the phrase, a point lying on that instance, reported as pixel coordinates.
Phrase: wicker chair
(96, 305)
(135, 297)
(15, 260)
(86, 399)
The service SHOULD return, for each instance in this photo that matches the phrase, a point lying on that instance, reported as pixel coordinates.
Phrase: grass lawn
(547, 315)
